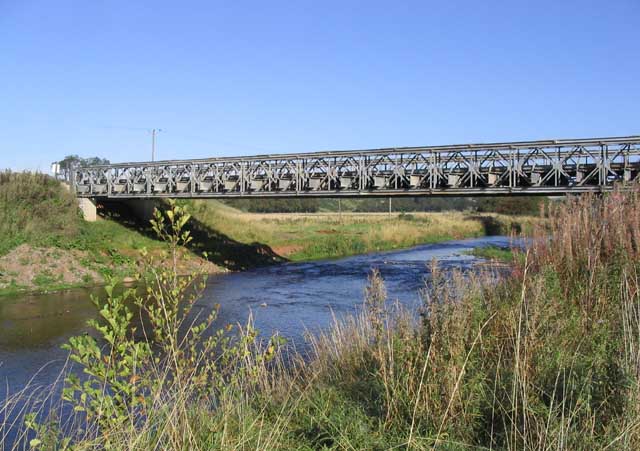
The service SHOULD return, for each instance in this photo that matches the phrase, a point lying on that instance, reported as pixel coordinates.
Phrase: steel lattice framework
(532, 167)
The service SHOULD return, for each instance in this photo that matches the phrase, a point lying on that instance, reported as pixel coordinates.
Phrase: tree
(70, 161)
(262, 205)
(74, 160)
(526, 205)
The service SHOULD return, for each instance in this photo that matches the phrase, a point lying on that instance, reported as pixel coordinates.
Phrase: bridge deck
(531, 167)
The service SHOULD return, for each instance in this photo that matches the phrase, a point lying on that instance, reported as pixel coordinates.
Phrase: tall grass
(35, 207)
(545, 358)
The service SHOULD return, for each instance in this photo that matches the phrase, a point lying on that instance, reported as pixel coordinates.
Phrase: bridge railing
(536, 167)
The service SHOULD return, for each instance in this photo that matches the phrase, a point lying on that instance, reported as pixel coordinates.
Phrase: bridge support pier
(88, 209)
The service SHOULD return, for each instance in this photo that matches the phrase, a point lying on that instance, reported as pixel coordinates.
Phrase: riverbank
(313, 236)
(545, 358)
(46, 246)
(292, 298)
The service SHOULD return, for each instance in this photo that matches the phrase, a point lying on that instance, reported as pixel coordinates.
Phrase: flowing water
(289, 299)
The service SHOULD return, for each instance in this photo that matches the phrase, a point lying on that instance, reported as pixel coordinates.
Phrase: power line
(117, 127)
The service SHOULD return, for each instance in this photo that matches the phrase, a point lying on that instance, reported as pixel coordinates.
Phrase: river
(289, 299)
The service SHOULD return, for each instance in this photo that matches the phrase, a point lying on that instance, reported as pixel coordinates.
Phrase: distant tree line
(276, 205)
(529, 205)
(526, 205)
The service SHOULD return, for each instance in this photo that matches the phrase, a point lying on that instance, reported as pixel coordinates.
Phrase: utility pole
(389, 206)
(153, 142)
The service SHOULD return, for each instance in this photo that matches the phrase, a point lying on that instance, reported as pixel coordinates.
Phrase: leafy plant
(147, 347)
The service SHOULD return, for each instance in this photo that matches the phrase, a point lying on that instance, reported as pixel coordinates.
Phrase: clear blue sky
(234, 77)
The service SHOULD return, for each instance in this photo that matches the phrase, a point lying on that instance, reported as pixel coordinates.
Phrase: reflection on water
(289, 299)
(31, 321)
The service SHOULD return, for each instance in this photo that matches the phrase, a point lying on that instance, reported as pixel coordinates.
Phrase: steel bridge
(514, 168)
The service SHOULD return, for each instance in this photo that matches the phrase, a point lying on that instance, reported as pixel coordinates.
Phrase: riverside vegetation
(493, 253)
(311, 236)
(547, 357)
(45, 244)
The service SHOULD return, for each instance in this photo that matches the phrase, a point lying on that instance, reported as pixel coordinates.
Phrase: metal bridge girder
(535, 167)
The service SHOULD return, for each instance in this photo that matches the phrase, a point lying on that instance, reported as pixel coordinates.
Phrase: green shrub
(134, 368)
(35, 208)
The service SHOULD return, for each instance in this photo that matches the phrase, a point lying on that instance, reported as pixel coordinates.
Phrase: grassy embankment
(45, 245)
(547, 359)
(311, 236)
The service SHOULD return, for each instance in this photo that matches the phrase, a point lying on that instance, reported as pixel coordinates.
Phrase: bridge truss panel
(536, 167)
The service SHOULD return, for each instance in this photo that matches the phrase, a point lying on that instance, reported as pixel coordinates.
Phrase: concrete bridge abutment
(88, 209)
(142, 209)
